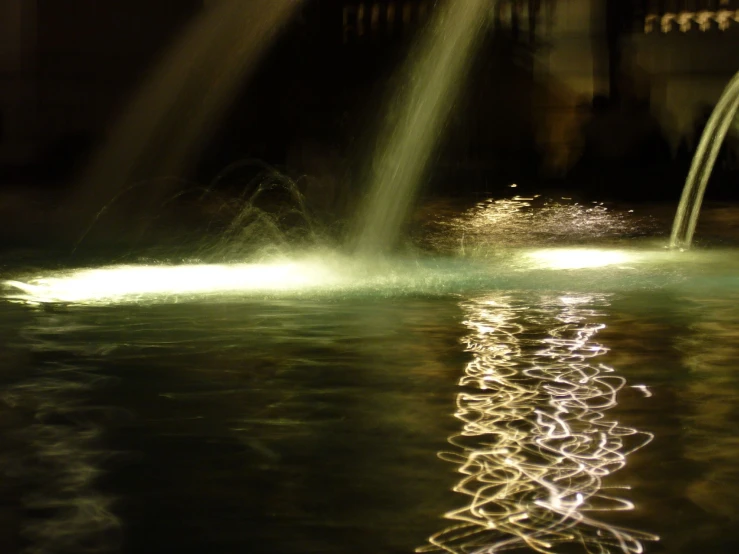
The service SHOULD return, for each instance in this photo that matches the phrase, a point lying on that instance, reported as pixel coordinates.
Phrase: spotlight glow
(579, 258)
(133, 283)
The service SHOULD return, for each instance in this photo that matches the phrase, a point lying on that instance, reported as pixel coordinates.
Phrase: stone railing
(683, 16)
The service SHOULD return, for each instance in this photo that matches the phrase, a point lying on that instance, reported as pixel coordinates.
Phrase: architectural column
(572, 65)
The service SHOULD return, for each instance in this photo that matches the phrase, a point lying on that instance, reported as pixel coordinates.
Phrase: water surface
(473, 401)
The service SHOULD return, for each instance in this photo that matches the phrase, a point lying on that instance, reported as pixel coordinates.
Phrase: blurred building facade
(681, 54)
(673, 56)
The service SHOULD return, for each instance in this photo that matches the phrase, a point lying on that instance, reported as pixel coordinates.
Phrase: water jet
(686, 218)
(158, 135)
(414, 121)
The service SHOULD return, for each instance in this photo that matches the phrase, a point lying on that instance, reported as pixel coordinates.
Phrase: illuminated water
(575, 388)
(159, 134)
(718, 125)
(415, 118)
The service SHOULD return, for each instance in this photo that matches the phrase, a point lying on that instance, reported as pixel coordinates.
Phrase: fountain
(709, 147)
(414, 121)
(297, 403)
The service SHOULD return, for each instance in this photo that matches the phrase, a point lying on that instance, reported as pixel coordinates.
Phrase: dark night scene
(369, 276)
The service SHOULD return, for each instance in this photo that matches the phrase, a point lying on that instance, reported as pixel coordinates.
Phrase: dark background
(572, 94)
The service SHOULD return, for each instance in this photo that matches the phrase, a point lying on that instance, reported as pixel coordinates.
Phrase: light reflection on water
(537, 444)
(711, 351)
(59, 457)
(534, 220)
(292, 420)
(278, 423)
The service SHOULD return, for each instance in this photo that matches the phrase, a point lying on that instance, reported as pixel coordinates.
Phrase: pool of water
(542, 378)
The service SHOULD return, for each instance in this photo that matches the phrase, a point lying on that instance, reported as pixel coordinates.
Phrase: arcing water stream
(713, 137)
(414, 122)
(174, 111)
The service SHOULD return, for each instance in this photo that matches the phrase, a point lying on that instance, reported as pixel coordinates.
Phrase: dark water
(319, 424)
(260, 427)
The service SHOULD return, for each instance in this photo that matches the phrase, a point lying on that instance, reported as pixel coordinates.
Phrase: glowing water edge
(335, 274)
(133, 283)
(536, 445)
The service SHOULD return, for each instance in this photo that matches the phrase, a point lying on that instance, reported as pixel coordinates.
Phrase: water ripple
(60, 458)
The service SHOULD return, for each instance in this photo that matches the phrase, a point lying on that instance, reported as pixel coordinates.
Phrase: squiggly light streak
(535, 444)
